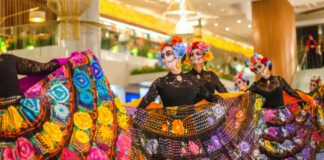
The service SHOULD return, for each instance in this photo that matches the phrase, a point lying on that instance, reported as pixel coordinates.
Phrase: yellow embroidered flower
(15, 118)
(105, 116)
(258, 104)
(53, 130)
(106, 133)
(208, 56)
(123, 120)
(177, 127)
(4, 121)
(119, 105)
(46, 141)
(82, 136)
(82, 120)
(268, 146)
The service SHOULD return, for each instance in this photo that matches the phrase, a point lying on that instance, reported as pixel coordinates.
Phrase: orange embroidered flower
(240, 116)
(177, 127)
(165, 128)
(208, 56)
(162, 46)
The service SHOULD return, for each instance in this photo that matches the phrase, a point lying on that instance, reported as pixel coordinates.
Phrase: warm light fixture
(183, 26)
(250, 26)
(216, 24)
(222, 9)
(239, 21)
(37, 16)
(209, 3)
(227, 29)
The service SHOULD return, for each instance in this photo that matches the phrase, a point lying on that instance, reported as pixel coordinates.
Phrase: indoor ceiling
(229, 18)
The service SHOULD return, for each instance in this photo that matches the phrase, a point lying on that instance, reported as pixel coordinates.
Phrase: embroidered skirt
(224, 130)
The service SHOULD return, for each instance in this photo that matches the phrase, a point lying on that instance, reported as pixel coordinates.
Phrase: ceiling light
(250, 26)
(209, 3)
(216, 24)
(222, 9)
(183, 26)
(37, 16)
(227, 29)
(239, 21)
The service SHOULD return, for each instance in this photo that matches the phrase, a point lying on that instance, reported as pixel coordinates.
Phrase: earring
(178, 65)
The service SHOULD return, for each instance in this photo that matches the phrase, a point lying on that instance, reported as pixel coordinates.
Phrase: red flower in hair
(265, 60)
(176, 39)
(163, 45)
(195, 45)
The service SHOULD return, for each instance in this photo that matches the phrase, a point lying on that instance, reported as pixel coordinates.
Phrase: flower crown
(316, 79)
(240, 75)
(202, 46)
(255, 59)
(176, 43)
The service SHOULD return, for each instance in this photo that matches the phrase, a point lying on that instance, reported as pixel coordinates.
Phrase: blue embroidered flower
(30, 107)
(96, 70)
(179, 50)
(86, 97)
(218, 110)
(215, 142)
(245, 147)
(81, 80)
(59, 93)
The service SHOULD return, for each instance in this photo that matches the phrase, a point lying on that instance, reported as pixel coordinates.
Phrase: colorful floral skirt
(70, 114)
(224, 130)
(286, 132)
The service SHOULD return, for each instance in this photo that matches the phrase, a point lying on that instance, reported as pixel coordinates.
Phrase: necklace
(179, 78)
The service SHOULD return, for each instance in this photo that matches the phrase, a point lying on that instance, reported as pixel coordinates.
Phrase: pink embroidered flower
(193, 148)
(96, 154)
(183, 151)
(68, 155)
(122, 156)
(8, 153)
(124, 143)
(268, 115)
(24, 149)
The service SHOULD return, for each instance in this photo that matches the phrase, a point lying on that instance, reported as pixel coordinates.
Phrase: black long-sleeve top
(210, 81)
(175, 91)
(11, 66)
(271, 89)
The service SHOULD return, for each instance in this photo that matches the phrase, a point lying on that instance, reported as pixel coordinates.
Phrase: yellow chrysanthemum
(106, 133)
(54, 131)
(105, 116)
(123, 121)
(82, 120)
(82, 136)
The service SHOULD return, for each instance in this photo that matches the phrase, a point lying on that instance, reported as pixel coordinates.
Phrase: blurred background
(126, 35)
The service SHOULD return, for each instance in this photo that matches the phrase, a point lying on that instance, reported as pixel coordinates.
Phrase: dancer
(69, 114)
(198, 53)
(181, 129)
(241, 82)
(285, 129)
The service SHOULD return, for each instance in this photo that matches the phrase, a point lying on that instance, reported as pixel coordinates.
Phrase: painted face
(312, 86)
(168, 58)
(241, 85)
(196, 57)
(259, 68)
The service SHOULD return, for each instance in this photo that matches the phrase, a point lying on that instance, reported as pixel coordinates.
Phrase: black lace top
(210, 81)
(271, 89)
(177, 90)
(11, 66)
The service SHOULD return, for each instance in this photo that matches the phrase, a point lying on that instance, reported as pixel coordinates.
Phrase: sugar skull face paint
(168, 58)
(241, 85)
(196, 57)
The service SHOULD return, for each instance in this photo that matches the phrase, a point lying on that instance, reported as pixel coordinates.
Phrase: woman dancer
(198, 53)
(241, 82)
(285, 130)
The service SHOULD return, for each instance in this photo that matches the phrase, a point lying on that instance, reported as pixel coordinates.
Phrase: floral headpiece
(176, 43)
(316, 79)
(255, 59)
(203, 47)
(240, 75)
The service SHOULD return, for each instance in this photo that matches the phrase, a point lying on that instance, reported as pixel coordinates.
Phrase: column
(274, 35)
(89, 33)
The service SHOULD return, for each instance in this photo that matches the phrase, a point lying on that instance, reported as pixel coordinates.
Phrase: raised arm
(286, 87)
(30, 67)
(151, 94)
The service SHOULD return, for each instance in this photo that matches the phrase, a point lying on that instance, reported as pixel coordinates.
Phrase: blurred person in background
(312, 52)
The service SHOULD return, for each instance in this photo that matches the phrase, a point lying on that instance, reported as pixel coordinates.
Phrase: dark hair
(270, 67)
